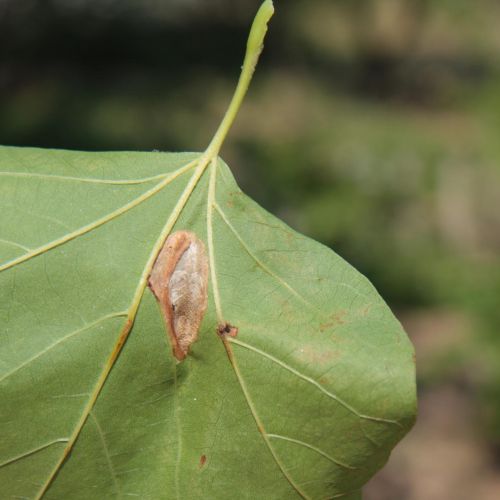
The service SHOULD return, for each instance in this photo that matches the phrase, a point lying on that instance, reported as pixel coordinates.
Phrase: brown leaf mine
(179, 281)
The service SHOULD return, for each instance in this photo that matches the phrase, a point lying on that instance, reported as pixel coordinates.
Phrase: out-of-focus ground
(371, 125)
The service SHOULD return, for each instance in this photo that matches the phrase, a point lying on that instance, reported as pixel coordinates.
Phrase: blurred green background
(371, 125)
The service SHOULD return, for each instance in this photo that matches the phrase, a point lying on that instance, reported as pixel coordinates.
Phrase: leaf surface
(305, 402)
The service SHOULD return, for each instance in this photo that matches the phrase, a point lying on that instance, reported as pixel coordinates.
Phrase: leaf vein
(60, 341)
(99, 222)
(258, 421)
(261, 264)
(14, 244)
(313, 382)
(107, 455)
(91, 180)
(314, 448)
(32, 452)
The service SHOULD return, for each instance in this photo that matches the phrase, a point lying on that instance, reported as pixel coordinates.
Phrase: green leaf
(306, 401)
(310, 396)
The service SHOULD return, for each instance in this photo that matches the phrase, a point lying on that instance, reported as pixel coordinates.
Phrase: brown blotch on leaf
(179, 281)
(336, 319)
(203, 460)
(227, 330)
(365, 310)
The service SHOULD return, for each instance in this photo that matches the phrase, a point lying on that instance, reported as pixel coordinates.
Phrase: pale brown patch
(365, 310)
(179, 281)
(336, 319)
(203, 460)
(311, 355)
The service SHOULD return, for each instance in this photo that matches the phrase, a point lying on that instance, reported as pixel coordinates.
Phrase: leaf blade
(315, 354)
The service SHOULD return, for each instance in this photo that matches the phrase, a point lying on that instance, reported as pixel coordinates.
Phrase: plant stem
(254, 48)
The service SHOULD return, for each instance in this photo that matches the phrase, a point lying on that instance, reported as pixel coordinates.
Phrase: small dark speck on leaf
(225, 329)
(203, 460)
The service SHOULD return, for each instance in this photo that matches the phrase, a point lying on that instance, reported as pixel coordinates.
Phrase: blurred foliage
(372, 125)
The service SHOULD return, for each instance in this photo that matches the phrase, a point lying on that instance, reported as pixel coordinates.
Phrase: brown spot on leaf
(230, 202)
(203, 460)
(179, 281)
(227, 330)
(326, 326)
(335, 319)
(365, 310)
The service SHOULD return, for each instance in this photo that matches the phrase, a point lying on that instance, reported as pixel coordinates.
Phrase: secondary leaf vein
(32, 452)
(106, 454)
(311, 381)
(14, 244)
(60, 341)
(91, 180)
(314, 448)
(261, 264)
(99, 222)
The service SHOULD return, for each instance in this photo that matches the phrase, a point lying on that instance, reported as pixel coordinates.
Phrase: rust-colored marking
(365, 310)
(179, 281)
(227, 330)
(203, 460)
(336, 319)
(121, 340)
(326, 326)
